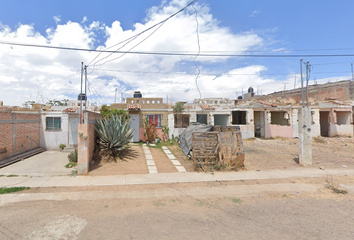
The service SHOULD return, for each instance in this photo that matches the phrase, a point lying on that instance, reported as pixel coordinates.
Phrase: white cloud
(40, 74)
(57, 19)
(84, 19)
(255, 12)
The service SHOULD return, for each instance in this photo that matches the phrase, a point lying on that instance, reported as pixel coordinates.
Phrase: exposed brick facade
(19, 132)
(343, 90)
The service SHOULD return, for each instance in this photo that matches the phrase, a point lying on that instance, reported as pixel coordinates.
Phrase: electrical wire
(212, 73)
(184, 54)
(95, 91)
(137, 35)
(197, 31)
(132, 47)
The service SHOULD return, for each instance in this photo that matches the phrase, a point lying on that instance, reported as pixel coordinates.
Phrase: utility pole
(305, 124)
(352, 72)
(115, 95)
(307, 83)
(295, 82)
(82, 72)
(85, 87)
(302, 84)
(284, 88)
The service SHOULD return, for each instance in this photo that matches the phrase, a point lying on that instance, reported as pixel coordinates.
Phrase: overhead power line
(159, 24)
(212, 73)
(183, 54)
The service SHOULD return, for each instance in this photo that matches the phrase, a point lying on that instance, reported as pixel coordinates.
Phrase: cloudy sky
(251, 28)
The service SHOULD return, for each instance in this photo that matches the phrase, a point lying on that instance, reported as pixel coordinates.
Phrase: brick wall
(343, 90)
(19, 132)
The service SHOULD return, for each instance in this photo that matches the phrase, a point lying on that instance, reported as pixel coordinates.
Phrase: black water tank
(81, 96)
(250, 89)
(137, 94)
(240, 97)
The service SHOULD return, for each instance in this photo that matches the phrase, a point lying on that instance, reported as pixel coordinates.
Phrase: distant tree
(54, 102)
(107, 112)
(178, 107)
(27, 104)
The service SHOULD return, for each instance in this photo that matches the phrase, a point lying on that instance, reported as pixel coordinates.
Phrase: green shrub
(62, 146)
(73, 156)
(114, 133)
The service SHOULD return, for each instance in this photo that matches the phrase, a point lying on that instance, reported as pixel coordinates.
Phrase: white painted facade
(51, 139)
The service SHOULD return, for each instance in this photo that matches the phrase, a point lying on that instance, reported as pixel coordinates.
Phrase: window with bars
(181, 120)
(53, 123)
(154, 118)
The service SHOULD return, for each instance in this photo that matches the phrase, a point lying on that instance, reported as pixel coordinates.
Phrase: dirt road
(264, 215)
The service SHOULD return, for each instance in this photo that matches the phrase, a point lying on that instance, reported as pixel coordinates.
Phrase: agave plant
(114, 133)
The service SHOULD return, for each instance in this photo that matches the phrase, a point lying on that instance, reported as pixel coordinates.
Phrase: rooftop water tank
(137, 94)
(250, 89)
(81, 96)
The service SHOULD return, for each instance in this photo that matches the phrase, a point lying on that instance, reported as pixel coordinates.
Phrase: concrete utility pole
(352, 72)
(85, 87)
(115, 95)
(82, 72)
(302, 84)
(307, 83)
(305, 125)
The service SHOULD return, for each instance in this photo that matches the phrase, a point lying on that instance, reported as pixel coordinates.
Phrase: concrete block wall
(19, 132)
(86, 142)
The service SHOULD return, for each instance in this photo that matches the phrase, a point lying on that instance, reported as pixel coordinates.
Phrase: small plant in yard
(73, 156)
(62, 146)
(150, 131)
(71, 164)
(165, 131)
(12, 189)
(73, 173)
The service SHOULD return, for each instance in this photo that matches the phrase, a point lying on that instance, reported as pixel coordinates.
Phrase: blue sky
(241, 27)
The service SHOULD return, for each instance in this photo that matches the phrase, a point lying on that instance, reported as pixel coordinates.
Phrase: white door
(73, 132)
(134, 119)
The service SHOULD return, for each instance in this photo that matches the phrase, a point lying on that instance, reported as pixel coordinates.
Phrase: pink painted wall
(279, 131)
(142, 131)
(86, 145)
(83, 148)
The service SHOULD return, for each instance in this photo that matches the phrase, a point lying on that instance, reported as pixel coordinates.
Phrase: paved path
(157, 178)
(173, 159)
(151, 163)
(48, 163)
(149, 159)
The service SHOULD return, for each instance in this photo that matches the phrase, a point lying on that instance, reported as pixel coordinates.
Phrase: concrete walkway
(48, 163)
(158, 178)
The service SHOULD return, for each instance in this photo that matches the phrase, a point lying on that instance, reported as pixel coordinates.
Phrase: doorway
(134, 118)
(324, 123)
(73, 131)
(259, 123)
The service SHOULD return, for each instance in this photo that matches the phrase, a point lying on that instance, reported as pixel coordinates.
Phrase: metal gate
(134, 119)
(73, 132)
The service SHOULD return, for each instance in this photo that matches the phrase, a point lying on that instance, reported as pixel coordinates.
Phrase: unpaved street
(264, 215)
